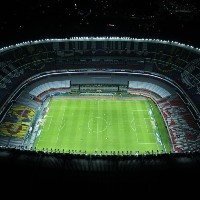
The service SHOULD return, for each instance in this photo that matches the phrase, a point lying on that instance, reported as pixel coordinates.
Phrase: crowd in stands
(15, 125)
(183, 130)
(17, 121)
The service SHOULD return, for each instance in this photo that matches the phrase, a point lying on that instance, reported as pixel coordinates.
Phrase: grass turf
(102, 125)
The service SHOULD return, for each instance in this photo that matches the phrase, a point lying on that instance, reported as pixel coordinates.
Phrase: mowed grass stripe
(76, 131)
(58, 112)
(59, 124)
(86, 115)
(104, 135)
(107, 134)
(117, 123)
(85, 125)
(102, 126)
(66, 124)
(137, 124)
(126, 136)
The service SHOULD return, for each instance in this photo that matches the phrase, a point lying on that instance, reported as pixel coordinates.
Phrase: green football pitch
(103, 125)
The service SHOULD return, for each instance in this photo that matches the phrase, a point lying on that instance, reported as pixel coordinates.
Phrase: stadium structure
(104, 74)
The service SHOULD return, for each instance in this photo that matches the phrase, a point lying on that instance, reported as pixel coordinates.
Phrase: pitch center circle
(97, 124)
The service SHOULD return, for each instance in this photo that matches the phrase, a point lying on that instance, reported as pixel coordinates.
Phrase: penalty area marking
(133, 127)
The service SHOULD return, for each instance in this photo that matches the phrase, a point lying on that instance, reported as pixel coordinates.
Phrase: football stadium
(100, 96)
(101, 103)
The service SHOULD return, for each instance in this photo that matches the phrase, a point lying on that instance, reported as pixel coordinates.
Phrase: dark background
(20, 21)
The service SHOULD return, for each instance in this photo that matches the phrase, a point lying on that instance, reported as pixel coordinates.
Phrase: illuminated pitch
(103, 125)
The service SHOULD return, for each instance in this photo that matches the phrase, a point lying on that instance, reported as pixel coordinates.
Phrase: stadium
(101, 103)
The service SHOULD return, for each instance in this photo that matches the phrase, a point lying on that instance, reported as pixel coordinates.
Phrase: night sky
(22, 20)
